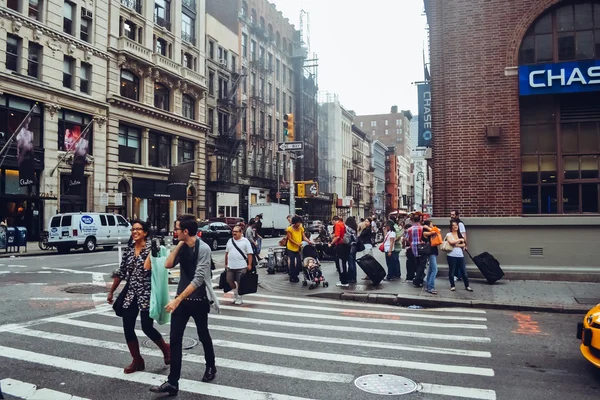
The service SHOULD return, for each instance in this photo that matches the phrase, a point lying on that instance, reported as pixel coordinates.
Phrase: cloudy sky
(369, 52)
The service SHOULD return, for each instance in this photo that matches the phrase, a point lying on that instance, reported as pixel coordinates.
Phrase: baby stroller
(311, 268)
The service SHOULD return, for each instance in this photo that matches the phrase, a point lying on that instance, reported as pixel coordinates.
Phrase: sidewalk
(32, 250)
(519, 295)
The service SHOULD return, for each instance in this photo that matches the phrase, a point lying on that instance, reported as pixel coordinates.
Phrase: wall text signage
(566, 77)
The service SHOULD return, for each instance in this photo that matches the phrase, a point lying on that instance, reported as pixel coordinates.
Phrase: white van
(88, 230)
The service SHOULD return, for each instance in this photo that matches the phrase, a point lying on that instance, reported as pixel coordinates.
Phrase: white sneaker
(238, 301)
(345, 285)
(339, 284)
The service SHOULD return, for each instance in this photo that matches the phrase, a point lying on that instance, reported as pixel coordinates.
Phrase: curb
(32, 254)
(396, 300)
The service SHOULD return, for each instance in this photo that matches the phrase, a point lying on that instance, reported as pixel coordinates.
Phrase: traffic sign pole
(292, 189)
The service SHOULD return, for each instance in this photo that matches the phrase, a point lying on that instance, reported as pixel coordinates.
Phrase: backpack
(436, 239)
(349, 238)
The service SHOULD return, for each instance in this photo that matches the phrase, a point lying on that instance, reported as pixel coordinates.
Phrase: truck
(274, 217)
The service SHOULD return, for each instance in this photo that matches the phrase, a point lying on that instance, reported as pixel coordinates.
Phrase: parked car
(588, 332)
(314, 226)
(215, 234)
(230, 221)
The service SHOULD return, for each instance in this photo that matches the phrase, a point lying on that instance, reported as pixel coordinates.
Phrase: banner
(25, 154)
(179, 176)
(424, 115)
(79, 161)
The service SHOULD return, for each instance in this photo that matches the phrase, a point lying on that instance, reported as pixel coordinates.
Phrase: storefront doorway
(72, 198)
(20, 206)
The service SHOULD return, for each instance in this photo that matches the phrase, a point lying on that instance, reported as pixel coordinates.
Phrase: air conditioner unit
(85, 13)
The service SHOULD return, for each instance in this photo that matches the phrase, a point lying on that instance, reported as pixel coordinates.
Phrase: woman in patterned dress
(137, 298)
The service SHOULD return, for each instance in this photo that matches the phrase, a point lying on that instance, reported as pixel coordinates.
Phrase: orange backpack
(436, 239)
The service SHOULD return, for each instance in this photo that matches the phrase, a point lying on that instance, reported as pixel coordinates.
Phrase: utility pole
(292, 187)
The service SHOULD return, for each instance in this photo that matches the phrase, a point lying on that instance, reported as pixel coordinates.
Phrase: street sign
(291, 146)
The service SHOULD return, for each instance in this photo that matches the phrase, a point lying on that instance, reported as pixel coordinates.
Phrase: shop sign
(425, 119)
(566, 77)
(118, 199)
(104, 199)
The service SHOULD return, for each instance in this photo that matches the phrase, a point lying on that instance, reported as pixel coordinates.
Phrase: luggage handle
(470, 256)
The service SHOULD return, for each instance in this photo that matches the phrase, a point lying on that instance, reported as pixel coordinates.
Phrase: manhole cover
(388, 385)
(86, 289)
(188, 343)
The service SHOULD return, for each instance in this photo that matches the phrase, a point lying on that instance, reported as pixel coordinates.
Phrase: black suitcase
(372, 268)
(489, 267)
(248, 283)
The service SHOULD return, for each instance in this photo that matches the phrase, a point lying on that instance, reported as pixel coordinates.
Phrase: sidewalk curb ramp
(407, 300)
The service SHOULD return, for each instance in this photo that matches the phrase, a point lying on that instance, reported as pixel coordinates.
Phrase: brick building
(391, 129)
(516, 129)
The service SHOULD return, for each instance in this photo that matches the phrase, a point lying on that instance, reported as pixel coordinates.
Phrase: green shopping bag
(159, 294)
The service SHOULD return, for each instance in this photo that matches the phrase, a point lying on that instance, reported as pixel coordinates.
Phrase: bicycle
(43, 242)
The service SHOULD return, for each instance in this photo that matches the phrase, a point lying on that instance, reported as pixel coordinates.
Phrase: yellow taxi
(589, 333)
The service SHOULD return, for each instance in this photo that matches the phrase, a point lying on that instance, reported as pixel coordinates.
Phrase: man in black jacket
(194, 257)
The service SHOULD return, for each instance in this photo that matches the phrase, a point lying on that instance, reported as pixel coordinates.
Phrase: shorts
(234, 275)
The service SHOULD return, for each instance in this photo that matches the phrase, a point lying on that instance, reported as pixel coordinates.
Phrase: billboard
(25, 154)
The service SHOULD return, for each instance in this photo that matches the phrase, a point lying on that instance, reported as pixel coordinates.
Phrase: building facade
(421, 176)
(392, 181)
(363, 188)
(527, 154)
(391, 129)
(378, 162)
(54, 54)
(157, 106)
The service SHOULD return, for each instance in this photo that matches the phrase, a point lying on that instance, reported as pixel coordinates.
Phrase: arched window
(278, 39)
(244, 10)
(253, 16)
(270, 32)
(262, 23)
(188, 106)
(161, 96)
(130, 85)
(559, 125)
(284, 49)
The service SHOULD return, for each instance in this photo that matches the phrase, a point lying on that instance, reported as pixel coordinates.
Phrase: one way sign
(291, 146)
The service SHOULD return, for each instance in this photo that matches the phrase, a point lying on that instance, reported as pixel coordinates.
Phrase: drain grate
(188, 343)
(86, 289)
(387, 385)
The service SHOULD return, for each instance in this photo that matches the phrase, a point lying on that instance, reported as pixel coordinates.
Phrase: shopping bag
(159, 293)
(248, 283)
(223, 284)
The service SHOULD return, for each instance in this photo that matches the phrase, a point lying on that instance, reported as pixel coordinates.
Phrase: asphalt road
(277, 346)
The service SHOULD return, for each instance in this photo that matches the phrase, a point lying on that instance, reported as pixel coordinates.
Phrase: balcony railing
(133, 4)
(160, 21)
(135, 49)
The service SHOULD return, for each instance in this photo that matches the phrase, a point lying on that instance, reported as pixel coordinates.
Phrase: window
(211, 119)
(252, 50)
(270, 94)
(13, 44)
(33, 60)
(398, 131)
(386, 122)
(233, 63)
(244, 45)
(111, 220)
(85, 74)
(270, 62)
(211, 49)
(569, 32)
(277, 69)
(161, 96)
(244, 122)
(12, 112)
(13, 5)
(68, 67)
(129, 29)
(373, 124)
(86, 25)
(68, 17)
(278, 39)
(284, 104)
(159, 150)
(277, 93)
(103, 220)
(387, 132)
(187, 28)
(130, 149)
(223, 123)
(220, 53)
(133, 4)
(284, 72)
(34, 10)
(188, 61)
(361, 124)
(211, 83)
(188, 106)
(253, 17)
(130, 85)
(71, 127)
(185, 151)
(161, 47)
(290, 103)
(162, 13)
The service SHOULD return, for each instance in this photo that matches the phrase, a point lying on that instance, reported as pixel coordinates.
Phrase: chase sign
(566, 77)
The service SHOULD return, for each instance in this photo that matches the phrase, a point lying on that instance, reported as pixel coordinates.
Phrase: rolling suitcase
(248, 283)
(372, 268)
(489, 266)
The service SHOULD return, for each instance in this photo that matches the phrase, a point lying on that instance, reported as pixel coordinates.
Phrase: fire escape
(228, 142)
(261, 135)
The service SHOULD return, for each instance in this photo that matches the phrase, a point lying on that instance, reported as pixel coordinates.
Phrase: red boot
(138, 362)
(166, 350)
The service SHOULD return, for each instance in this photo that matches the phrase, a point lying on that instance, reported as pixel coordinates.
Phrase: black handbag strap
(238, 249)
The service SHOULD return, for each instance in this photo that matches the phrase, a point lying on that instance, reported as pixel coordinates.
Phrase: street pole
(423, 196)
(278, 187)
(292, 188)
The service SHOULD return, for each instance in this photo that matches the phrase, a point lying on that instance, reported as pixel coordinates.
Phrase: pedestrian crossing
(271, 347)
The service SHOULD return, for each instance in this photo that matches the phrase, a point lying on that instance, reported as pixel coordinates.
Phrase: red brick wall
(471, 44)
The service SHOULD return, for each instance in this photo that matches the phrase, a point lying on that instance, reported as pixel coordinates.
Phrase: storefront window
(159, 153)
(13, 111)
(185, 151)
(71, 126)
(11, 183)
(130, 148)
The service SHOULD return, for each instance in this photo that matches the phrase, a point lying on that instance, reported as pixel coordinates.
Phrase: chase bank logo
(427, 135)
(86, 219)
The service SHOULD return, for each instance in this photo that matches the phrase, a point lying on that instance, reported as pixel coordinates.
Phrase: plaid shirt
(415, 233)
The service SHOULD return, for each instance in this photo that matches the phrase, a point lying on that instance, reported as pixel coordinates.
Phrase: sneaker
(455, 279)
(238, 301)
(345, 285)
(165, 388)
(339, 284)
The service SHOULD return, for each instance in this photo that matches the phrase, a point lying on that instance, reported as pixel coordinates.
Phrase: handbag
(382, 245)
(446, 246)
(223, 284)
(283, 242)
(424, 249)
(248, 283)
(118, 303)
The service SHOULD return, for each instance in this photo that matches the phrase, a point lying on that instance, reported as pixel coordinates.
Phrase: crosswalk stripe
(221, 362)
(457, 391)
(368, 305)
(355, 311)
(353, 319)
(28, 391)
(145, 378)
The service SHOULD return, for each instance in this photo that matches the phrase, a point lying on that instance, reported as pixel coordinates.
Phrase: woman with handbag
(388, 249)
(238, 258)
(134, 299)
(456, 257)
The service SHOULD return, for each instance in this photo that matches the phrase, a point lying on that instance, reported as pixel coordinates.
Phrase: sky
(369, 52)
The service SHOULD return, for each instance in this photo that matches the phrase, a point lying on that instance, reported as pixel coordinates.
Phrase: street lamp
(421, 177)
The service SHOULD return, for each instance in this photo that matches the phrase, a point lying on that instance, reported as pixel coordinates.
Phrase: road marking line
(55, 299)
(145, 378)
(102, 266)
(72, 271)
(221, 362)
(355, 311)
(457, 391)
(353, 319)
(367, 305)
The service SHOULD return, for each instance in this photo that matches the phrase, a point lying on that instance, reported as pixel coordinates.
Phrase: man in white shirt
(238, 258)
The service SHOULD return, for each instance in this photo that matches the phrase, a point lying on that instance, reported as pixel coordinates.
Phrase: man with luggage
(194, 258)
(415, 238)
(342, 251)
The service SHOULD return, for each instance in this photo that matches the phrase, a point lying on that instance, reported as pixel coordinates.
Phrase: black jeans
(411, 265)
(457, 263)
(342, 252)
(295, 263)
(130, 315)
(199, 311)
(420, 265)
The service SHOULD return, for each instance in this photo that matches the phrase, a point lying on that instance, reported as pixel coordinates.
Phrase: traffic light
(288, 127)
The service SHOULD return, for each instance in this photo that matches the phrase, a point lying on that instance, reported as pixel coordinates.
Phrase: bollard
(119, 250)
